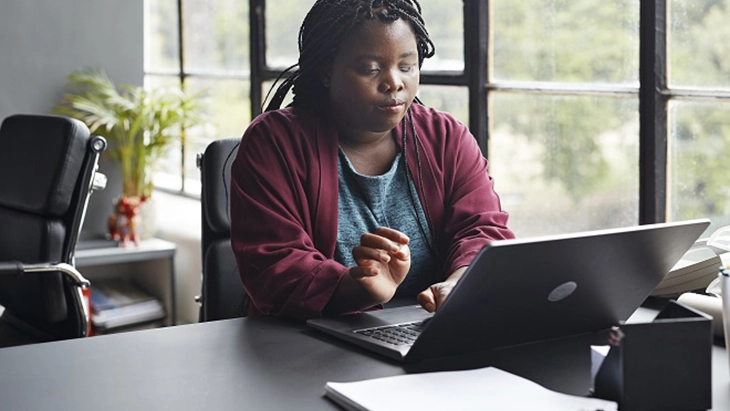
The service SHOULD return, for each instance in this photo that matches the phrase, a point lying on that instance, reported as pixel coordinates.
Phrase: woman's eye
(368, 70)
(407, 68)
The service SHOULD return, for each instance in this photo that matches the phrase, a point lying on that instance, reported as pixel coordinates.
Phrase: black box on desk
(662, 365)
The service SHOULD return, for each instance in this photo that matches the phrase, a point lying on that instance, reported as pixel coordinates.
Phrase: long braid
(419, 169)
(324, 27)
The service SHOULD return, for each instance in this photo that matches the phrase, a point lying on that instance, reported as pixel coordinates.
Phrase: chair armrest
(17, 268)
(67, 269)
(11, 268)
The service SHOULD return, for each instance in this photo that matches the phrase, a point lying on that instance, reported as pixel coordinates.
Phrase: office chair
(222, 294)
(47, 172)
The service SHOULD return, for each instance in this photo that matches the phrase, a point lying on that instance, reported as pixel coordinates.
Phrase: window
(205, 51)
(564, 141)
(593, 114)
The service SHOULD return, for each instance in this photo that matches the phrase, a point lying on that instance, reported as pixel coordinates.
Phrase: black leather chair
(222, 294)
(48, 168)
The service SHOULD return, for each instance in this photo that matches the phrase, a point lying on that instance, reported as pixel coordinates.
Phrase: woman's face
(374, 77)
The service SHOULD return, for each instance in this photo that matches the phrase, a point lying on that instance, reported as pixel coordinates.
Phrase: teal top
(366, 203)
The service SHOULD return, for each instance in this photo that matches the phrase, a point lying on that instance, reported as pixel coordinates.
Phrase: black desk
(255, 363)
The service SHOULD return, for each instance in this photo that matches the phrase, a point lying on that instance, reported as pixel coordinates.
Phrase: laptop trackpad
(377, 318)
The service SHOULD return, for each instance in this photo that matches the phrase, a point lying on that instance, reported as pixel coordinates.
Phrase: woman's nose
(392, 81)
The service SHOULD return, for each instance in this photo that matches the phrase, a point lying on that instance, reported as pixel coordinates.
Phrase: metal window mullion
(257, 43)
(444, 78)
(653, 127)
(182, 74)
(476, 45)
(567, 89)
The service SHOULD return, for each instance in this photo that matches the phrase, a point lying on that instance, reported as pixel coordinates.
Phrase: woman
(355, 193)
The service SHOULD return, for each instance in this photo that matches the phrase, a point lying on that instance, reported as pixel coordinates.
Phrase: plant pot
(147, 227)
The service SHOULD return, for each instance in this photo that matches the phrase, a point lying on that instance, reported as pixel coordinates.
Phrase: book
(694, 271)
(118, 303)
(698, 267)
(477, 389)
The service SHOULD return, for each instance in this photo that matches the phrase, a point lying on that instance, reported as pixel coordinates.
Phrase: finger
(427, 301)
(393, 235)
(403, 253)
(377, 241)
(363, 272)
(368, 253)
(440, 294)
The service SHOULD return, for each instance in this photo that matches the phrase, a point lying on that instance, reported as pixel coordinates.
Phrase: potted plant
(139, 124)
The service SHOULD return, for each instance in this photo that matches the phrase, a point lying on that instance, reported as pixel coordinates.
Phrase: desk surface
(255, 363)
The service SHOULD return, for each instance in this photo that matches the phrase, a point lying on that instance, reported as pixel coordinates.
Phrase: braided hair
(325, 26)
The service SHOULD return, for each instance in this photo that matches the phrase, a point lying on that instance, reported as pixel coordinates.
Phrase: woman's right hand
(383, 260)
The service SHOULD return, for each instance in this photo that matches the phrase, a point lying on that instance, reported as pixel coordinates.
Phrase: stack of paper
(479, 389)
(119, 304)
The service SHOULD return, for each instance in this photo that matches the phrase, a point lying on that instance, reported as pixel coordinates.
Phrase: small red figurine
(123, 223)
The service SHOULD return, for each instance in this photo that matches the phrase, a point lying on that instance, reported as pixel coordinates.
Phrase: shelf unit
(149, 265)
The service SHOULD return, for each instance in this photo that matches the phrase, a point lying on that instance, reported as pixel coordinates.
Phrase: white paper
(478, 389)
(598, 354)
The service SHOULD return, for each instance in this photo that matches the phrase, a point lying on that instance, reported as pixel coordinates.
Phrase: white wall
(178, 220)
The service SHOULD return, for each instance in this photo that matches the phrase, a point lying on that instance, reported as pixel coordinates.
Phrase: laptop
(526, 290)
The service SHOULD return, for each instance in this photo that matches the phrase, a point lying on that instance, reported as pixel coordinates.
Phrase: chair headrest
(40, 159)
(216, 174)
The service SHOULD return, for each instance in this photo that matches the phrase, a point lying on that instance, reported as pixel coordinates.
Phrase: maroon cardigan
(284, 204)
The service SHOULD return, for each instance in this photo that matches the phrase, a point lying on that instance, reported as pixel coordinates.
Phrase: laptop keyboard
(400, 334)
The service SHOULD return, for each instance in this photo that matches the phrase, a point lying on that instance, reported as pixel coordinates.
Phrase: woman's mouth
(393, 106)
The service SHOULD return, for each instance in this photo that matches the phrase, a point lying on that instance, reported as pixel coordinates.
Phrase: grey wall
(41, 41)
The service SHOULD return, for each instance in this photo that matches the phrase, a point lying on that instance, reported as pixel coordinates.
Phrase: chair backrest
(47, 164)
(222, 294)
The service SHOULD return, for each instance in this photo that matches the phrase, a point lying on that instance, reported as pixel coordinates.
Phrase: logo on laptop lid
(562, 291)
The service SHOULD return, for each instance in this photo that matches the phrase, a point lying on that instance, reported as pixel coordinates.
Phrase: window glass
(283, 19)
(228, 102)
(454, 100)
(565, 163)
(168, 170)
(445, 24)
(699, 43)
(229, 113)
(566, 41)
(215, 36)
(151, 81)
(698, 175)
(161, 42)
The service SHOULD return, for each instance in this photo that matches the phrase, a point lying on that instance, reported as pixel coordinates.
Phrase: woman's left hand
(434, 296)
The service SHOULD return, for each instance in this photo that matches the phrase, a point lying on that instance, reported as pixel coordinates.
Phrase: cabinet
(149, 265)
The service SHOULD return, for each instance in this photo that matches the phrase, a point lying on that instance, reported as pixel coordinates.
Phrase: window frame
(653, 91)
